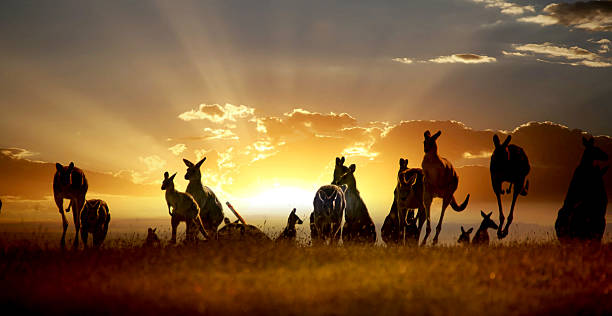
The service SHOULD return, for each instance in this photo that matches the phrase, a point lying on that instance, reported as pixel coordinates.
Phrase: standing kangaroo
(325, 221)
(289, 233)
(481, 237)
(440, 181)
(358, 225)
(185, 209)
(583, 214)
(69, 182)
(95, 218)
(211, 210)
(509, 163)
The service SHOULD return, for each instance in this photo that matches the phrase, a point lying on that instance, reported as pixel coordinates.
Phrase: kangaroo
(582, 216)
(289, 232)
(240, 232)
(211, 210)
(358, 225)
(69, 182)
(152, 239)
(482, 235)
(509, 163)
(329, 204)
(464, 238)
(408, 194)
(440, 181)
(185, 209)
(95, 218)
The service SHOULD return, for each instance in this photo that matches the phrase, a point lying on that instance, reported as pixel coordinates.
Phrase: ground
(214, 278)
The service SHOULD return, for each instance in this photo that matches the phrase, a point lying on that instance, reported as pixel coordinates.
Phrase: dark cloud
(589, 15)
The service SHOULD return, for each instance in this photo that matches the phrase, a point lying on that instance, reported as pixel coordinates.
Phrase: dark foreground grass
(517, 279)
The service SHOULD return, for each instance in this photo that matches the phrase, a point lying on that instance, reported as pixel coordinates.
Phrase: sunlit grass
(521, 278)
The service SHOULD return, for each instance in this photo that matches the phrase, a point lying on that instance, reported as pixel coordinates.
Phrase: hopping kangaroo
(440, 181)
(408, 194)
(464, 238)
(211, 210)
(329, 204)
(583, 214)
(69, 182)
(95, 217)
(509, 163)
(289, 232)
(358, 225)
(482, 235)
(185, 209)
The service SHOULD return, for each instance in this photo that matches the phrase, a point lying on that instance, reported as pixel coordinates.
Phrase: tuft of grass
(228, 278)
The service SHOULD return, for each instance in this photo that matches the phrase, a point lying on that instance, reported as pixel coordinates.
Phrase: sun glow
(280, 199)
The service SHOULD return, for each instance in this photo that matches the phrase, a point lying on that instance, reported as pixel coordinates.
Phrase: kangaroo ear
(342, 160)
(436, 135)
(71, 166)
(507, 141)
(462, 230)
(352, 167)
(59, 167)
(470, 230)
(200, 162)
(427, 134)
(321, 195)
(187, 163)
(172, 178)
(166, 175)
(155, 229)
(489, 215)
(293, 211)
(496, 140)
(483, 214)
(337, 161)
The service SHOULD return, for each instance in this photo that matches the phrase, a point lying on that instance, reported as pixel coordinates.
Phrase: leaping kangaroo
(509, 163)
(440, 181)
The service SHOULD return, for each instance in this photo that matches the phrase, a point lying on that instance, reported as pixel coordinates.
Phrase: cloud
(505, 7)
(17, 153)
(451, 59)
(219, 133)
(177, 149)
(217, 113)
(604, 45)
(589, 15)
(574, 55)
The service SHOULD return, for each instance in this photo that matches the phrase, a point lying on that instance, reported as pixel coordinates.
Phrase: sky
(272, 91)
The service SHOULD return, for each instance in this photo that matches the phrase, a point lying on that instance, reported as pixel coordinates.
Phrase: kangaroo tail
(459, 208)
(198, 222)
(525, 189)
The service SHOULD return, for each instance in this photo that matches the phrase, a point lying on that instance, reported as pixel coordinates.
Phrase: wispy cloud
(403, 60)
(574, 55)
(451, 59)
(218, 113)
(506, 7)
(589, 15)
(219, 133)
(177, 149)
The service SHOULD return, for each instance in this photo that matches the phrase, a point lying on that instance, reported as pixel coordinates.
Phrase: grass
(214, 278)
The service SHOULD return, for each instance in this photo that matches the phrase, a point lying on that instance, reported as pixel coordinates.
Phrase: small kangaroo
(289, 232)
(95, 218)
(152, 238)
(69, 182)
(358, 225)
(440, 181)
(482, 235)
(211, 210)
(185, 209)
(509, 163)
(464, 238)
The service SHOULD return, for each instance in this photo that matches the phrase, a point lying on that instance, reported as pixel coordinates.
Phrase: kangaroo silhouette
(408, 194)
(464, 238)
(509, 163)
(288, 234)
(482, 235)
(583, 214)
(185, 209)
(440, 181)
(325, 221)
(211, 210)
(95, 218)
(152, 238)
(358, 225)
(69, 183)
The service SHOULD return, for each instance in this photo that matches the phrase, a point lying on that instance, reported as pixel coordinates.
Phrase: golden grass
(517, 279)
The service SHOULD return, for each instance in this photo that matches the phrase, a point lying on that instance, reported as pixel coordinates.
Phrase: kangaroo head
(344, 174)
(293, 219)
(168, 182)
(429, 144)
(592, 152)
(328, 202)
(487, 222)
(464, 238)
(64, 173)
(193, 170)
(501, 153)
(403, 164)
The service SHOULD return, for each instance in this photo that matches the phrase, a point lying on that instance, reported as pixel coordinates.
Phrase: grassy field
(215, 278)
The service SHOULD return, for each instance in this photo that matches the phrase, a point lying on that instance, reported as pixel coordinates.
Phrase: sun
(281, 199)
